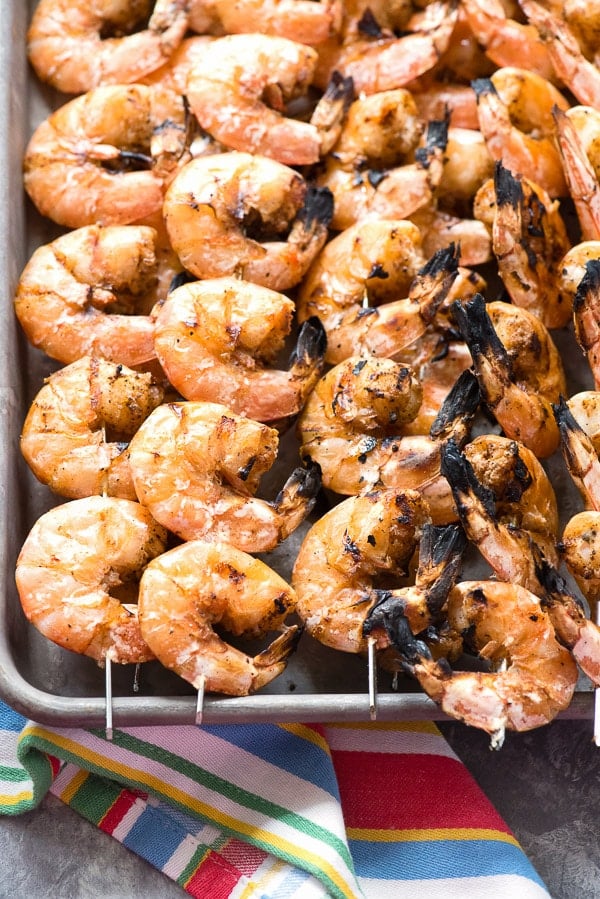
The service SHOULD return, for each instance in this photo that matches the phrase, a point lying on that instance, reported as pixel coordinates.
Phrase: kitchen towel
(267, 811)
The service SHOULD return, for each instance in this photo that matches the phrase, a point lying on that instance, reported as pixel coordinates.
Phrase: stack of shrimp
(380, 192)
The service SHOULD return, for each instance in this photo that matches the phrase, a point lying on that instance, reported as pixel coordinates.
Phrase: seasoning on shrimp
(530, 239)
(523, 556)
(351, 425)
(503, 623)
(239, 90)
(77, 576)
(374, 268)
(568, 60)
(76, 432)
(506, 40)
(362, 190)
(218, 340)
(586, 316)
(299, 20)
(185, 592)
(349, 558)
(69, 43)
(216, 203)
(80, 294)
(515, 109)
(377, 60)
(197, 465)
(577, 130)
(518, 367)
(107, 156)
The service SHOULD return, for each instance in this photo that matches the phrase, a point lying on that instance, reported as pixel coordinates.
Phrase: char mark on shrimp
(463, 481)
(462, 402)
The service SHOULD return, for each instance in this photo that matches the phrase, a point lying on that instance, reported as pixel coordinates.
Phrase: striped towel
(270, 811)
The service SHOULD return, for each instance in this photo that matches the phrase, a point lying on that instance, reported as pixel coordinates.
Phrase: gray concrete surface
(546, 784)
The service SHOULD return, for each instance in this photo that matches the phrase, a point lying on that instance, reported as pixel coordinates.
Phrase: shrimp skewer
(76, 560)
(216, 340)
(107, 156)
(67, 46)
(64, 434)
(506, 624)
(212, 203)
(188, 590)
(518, 380)
(196, 467)
(73, 295)
(515, 555)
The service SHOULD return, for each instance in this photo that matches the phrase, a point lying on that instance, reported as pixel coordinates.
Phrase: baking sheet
(54, 686)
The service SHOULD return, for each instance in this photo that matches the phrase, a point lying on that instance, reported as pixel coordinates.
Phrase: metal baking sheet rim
(26, 698)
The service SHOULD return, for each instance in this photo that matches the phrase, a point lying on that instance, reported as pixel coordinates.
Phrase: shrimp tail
(485, 346)
(576, 446)
(508, 187)
(278, 652)
(441, 553)
(436, 141)
(483, 86)
(330, 112)
(316, 212)
(434, 280)
(465, 485)
(458, 409)
(388, 617)
(311, 346)
(298, 496)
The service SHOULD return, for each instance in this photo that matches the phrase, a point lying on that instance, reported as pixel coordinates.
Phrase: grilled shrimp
(518, 367)
(515, 109)
(196, 466)
(530, 240)
(362, 190)
(374, 267)
(78, 563)
(185, 592)
(298, 20)
(586, 316)
(81, 294)
(107, 156)
(377, 60)
(506, 625)
(77, 46)
(577, 131)
(238, 92)
(223, 211)
(217, 340)
(570, 64)
(351, 425)
(75, 434)
(522, 556)
(348, 560)
(572, 268)
(506, 40)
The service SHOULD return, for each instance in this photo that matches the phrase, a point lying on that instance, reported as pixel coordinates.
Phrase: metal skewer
(200, 700)
(108, 696)
(136, 678)
(372, 678)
